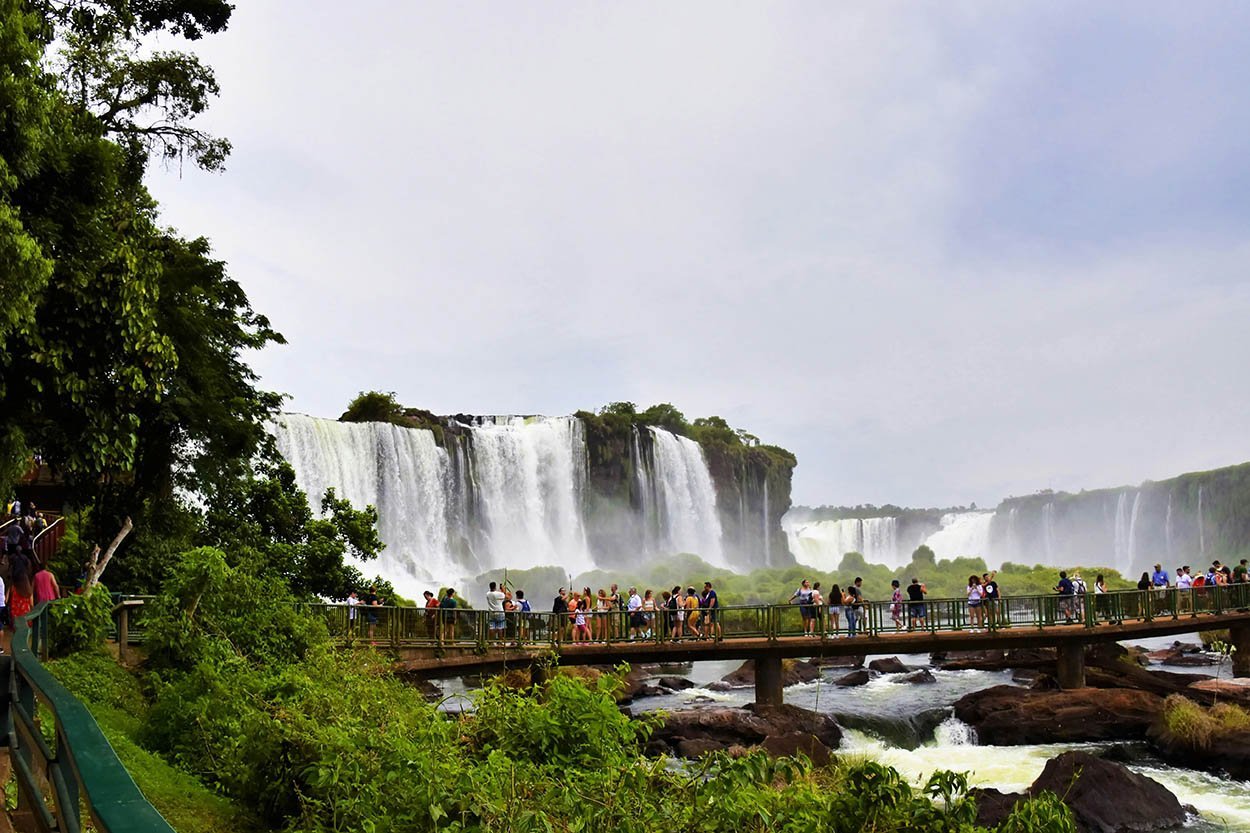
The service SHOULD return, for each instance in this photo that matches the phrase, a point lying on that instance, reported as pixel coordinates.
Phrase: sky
(944, 252)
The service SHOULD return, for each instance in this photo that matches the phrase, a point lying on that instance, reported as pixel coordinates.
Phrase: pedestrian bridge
(439, 644)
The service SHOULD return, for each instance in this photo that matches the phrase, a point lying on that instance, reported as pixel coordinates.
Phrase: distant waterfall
(1202, 528)
(1122, 524)
(768, 529)
(401, 471)
(1048, 531)
(684, 498)
(962, 534)
(821, 544)
(1127, 568)
(1167, 529)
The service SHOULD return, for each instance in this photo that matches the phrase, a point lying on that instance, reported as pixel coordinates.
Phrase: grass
(1186, 723)
(114, 697)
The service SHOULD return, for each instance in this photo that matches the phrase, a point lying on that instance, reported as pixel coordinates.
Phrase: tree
(374, 406)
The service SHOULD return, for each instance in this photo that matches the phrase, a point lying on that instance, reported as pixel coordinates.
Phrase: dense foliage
(245, 692)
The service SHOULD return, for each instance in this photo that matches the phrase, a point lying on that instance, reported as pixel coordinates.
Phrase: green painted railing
(56, 780)
(411, 626)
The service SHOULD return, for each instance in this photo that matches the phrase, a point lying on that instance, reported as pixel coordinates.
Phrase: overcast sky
(944, 252)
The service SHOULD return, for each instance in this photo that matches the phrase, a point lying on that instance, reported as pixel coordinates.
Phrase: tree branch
(97, 569)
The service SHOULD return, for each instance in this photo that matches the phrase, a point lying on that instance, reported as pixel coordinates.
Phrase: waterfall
(401, 471)
(962, 534)
(1202, 532)
(1167, 528)
(1127, 568)
(880, 541)
(685, 497)
(1048, 531)
(508, 494)
(768, 538)
(1121, 533)
(821, 544)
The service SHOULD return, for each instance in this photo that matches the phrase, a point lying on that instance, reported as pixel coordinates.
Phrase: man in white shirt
(1184, 582)
(352, 602)
(636, 620)
(495, 618)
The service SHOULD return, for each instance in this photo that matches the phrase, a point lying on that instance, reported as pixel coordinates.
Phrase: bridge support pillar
(768, 681)
(1239, 636)
(1071, 666)
(538, 674)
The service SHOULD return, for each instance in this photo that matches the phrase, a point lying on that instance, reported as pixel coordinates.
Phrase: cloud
(944, 252)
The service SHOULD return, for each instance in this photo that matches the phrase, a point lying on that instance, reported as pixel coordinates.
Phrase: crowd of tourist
(679, 614)
(25, 581)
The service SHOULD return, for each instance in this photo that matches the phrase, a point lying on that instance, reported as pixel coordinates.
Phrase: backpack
(1078, 586)
(525, 605)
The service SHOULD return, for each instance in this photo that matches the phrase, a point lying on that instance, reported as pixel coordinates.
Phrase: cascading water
(685, 498)
(1121, 534)
(1167, 529)
(508, 495)
(1048, 532)
(768, 529)
(528, 477)
(1202, 532)
(821, 544)
(401, 471)
(1126, 569)
(962, 534)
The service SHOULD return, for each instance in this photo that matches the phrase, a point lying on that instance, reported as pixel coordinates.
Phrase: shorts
(496, 621)
(917, 610)
(709, 615)
(637, 620)
(974, 603)
(808, 611)
(835, 610)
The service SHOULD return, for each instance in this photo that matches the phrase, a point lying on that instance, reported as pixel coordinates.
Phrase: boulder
(795, 743)
(1191, 659)
(1105, 797)
(719, 685)
(793, 671)
(854, 678)
(1208, 689)
(749, 726)
(996, 659)
(920, 675)
(1008, 715)
(1131, 675)
(674, 683)
(888, 665)
(839, 661)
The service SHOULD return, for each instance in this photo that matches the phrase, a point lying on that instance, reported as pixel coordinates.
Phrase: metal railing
(48, 539)
(413, 626)
(58, 773)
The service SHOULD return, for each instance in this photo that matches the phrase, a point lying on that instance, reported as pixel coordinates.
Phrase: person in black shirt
(447, 606)
(854, 605)
(990, 598)
(372, 601)
(916, 613)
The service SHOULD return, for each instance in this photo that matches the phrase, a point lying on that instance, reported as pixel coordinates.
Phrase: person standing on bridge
(448, 608)
(495, 614)
(854, 606)
(372, 601)
(431, 615)
(804, 597)
(991, 600)
(976, 611)
(709, 604)
(915, 605)
(1067, 593)
(691, 604)
(835, 610)
(636, 620)
(896, 605)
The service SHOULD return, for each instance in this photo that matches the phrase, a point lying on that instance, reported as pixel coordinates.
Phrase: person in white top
(495, 619)
(352, 602)
(636, 620)
(976, 614)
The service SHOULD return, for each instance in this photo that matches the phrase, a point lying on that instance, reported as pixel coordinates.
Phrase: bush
(79, 622)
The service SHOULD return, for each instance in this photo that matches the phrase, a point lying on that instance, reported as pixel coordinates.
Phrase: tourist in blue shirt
(1067, 592)
(1160, 576)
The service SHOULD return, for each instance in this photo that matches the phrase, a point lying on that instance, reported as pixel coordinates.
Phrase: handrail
(82, 762)
(415, 626)
(48, 539)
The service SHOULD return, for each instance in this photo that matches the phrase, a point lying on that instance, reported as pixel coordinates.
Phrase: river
(1224, 804)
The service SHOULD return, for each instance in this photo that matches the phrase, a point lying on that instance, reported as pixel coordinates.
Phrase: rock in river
(1009, 716)
(1105, 797)
(693, 732)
